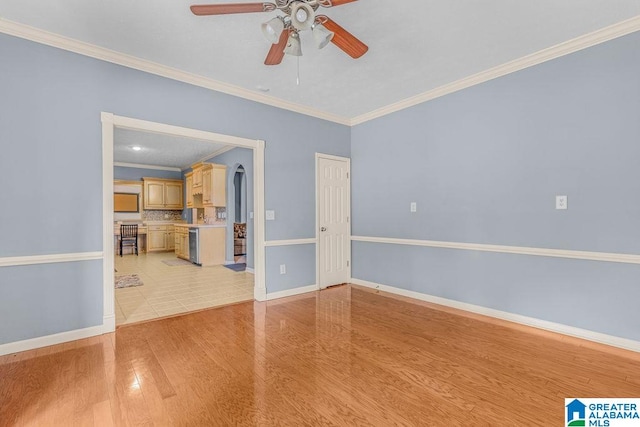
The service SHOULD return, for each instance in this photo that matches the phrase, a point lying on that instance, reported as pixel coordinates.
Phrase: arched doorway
(239, 232)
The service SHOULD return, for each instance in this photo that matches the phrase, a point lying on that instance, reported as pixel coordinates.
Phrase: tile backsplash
(160, 215)
(221, 213)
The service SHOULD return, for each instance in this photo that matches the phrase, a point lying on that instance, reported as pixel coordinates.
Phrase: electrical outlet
(270, 215)
(562, 202)
(283, 269)
(414, 207)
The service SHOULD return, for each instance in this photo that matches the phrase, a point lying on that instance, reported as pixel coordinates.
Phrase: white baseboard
(59, 338)
(259, 294)
(291, 292)
(250, 270)
(585, 334)
(109, 324)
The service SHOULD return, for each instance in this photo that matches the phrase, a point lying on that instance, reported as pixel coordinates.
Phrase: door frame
(319, 156)
(109, 123)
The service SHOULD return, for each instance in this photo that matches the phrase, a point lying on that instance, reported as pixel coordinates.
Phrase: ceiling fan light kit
(273, 28)
(321, 35)
(302, 16)
(293, 45)
(282, 31)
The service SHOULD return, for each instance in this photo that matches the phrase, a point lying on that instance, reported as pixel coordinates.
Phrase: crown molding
(579, 43)
(50, 39)
(140, 166)
(600, 36)
(212, 155)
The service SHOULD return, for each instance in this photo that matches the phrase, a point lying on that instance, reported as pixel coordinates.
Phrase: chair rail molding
(49, 258)
(521, 250)
(289, 242)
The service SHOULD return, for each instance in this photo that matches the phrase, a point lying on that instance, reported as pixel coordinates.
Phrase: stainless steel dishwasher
(194, 245)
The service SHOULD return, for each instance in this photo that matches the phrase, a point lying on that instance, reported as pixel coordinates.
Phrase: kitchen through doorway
(169, 285)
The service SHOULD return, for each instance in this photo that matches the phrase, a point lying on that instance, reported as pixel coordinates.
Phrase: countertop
(162, 222)
(174, 223)
(200, 225)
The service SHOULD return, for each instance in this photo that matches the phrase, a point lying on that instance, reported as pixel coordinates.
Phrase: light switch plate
(561, 202)
(270, 215)
(250, 215)
(413, 207)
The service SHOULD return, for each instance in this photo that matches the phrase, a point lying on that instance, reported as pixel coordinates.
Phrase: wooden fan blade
(345, 40)
(224, 9)
(341, 2)
(276, 53)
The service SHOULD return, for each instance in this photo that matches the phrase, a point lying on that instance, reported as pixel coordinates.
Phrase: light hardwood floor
(343, 356)
(176, 289)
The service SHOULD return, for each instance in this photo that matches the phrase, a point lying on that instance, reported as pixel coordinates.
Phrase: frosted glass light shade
(272, 29)
(293, 45)
(321, 35)
(302, 16)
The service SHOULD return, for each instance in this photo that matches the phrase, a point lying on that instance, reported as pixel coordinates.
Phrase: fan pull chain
(298, 75)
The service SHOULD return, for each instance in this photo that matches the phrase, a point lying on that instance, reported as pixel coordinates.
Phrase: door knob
(323, 228)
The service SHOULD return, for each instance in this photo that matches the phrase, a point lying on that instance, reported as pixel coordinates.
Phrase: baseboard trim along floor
(59, 338)
(291, 292)
(571, 331)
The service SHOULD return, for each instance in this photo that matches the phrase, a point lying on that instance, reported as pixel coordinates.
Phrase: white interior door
(334, 227)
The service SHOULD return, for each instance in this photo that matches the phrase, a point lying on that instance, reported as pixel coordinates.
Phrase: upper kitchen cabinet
(211, 188)
(163, 194)
(196, 178)
(214, 179)
(188, 181)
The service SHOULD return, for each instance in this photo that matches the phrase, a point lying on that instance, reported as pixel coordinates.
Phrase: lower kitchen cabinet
(160, 238)
(181, 242)
(211, 244)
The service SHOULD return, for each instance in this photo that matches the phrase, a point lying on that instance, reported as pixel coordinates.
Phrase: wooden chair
(129, 236)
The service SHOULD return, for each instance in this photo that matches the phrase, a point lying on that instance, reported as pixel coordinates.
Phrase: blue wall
(233, 158)
(301, 273)
(484, 166)
(50, 125)
(136, 174)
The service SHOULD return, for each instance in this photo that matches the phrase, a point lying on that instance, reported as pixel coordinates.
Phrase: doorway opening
(110, 123)
(238, 201)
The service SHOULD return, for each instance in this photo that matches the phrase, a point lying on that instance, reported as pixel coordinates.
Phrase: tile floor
(169, 290)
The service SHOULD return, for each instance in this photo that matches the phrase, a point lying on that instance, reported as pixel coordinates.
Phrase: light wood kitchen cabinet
(214, 182)
(171, 238)
(181, 242)
(188, 181)
(160, 238)
(196, 185)
(163, 194)
(211, 240)
(212, 245)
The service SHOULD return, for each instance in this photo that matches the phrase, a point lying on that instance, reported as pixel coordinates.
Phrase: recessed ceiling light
(136, 148)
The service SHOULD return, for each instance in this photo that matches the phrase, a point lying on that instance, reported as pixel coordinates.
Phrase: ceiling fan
(283, 31)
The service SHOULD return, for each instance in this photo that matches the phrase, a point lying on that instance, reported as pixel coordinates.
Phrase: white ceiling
(161, 150)
(414, 45)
